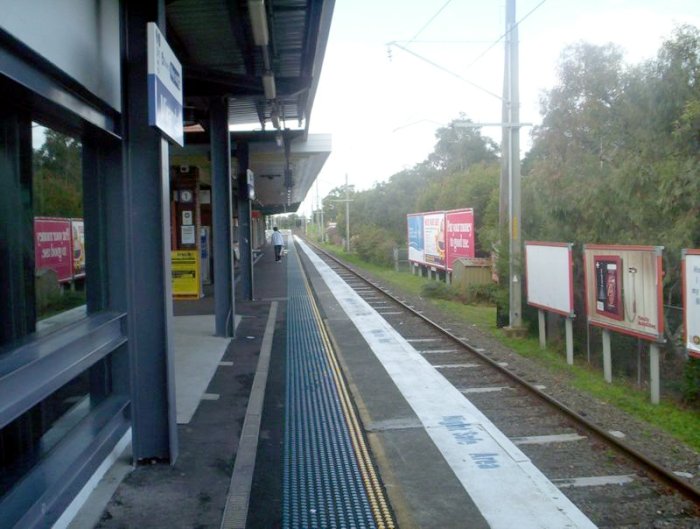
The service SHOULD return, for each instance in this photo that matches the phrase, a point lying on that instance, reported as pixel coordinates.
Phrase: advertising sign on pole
(691, 301)
(434, 239)
(164, 87)
(52, 246)
(624, 289)
(185, 274)
(549, 277)
(416, 247)
(460, 235)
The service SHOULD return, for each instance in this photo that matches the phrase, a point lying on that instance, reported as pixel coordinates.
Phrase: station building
(234, 148)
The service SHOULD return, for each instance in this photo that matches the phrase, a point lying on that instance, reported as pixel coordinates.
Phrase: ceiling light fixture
(269, 88)
(258, 22)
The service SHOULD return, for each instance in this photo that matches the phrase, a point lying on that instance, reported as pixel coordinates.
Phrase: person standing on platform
(277, 242)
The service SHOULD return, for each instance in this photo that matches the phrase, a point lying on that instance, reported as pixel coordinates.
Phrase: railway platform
(318, 415)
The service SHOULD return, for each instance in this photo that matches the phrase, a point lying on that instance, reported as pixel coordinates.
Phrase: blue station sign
(164, 87)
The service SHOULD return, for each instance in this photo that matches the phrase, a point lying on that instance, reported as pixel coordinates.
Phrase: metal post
(607, 357)
(515, 308)
(224, 287)
(148, 268)
(654, 376)
(245, 245)
(543, 333)
(569, 341)
(347, 215)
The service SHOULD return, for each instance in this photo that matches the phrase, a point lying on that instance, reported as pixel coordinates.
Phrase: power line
(429, 21)
(481, 55)
(446, 70)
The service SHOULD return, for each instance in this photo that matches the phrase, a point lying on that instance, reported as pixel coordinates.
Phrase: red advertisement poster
(608, 286)
(52, 246)
(459, 235)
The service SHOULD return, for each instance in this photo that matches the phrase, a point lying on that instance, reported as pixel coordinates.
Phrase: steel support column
(222, 215)
(147, 221)
(17, 308)
(245, 235)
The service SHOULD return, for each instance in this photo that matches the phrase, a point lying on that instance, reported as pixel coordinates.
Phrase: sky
(383, 108)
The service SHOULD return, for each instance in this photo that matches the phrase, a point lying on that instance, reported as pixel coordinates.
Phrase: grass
(681, 423)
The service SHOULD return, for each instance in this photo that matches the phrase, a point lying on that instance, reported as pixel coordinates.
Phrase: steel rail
(655, 469)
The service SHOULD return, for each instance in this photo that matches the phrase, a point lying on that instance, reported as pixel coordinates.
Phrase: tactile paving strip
(323, 485)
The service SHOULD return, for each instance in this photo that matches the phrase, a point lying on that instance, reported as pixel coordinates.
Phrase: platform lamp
(269, 88)
(258, 22)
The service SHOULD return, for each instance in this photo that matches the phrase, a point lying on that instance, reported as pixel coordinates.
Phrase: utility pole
(347, 214)
(322, 226)
(513, 105)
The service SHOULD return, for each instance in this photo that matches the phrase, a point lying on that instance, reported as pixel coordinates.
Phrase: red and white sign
(624, 289)
(52, 246)
(438, 238)
(459, 234)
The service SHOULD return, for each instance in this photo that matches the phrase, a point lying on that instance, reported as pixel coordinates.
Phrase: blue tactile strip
(323, 486)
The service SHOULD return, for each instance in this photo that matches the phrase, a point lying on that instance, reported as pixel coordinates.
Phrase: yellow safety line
(375, 492)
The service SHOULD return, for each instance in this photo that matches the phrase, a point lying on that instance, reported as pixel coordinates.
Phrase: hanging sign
(164, 87)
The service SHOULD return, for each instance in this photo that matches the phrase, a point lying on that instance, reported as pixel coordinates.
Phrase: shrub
(374, 245)
(437, 290)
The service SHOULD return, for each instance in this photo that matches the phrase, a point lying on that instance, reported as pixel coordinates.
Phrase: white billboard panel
(549, 276)
(691, 301)
(624, 289)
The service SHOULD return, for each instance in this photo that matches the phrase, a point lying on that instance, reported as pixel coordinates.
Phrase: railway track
(613, 484)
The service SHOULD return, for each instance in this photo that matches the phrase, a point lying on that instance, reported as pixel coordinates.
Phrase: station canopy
(265, 56)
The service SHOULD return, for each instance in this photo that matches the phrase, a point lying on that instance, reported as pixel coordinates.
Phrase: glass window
(30, 437)
(59, 241)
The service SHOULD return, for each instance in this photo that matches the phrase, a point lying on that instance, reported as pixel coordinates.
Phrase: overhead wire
(429, 21)
(481, 55)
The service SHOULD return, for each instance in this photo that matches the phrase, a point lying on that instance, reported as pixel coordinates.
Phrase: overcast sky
(383, 109)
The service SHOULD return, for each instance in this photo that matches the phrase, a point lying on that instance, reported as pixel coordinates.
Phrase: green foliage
(374, 245)
(57, 180)
(691, 381)
(489, 293)
(437, 290)
(62, 301)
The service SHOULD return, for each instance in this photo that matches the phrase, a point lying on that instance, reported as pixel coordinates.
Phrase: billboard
(78, 247)
(549, 277)
(624, 289)
(460, 235)
(438, 238)
(434, 239)
(416, 249)
(52, 246)
(691, 301)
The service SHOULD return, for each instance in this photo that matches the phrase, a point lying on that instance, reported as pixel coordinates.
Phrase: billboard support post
(569, 341)
(654, 377)
(543, 335)
(607, 357)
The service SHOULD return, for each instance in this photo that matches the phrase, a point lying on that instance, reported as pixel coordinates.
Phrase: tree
(58, 188)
